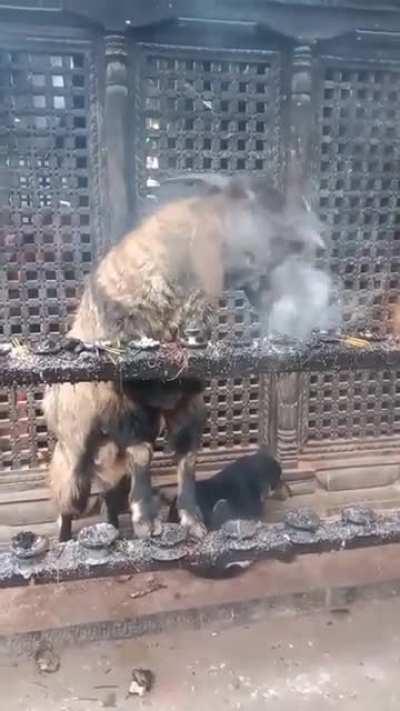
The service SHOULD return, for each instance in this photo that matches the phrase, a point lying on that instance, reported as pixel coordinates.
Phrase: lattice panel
(23, 434)
(46, 236)
(359, 197)
(46, 224)
(236, 320)
(360, 188)
(356, 404)
(234, 413)
(207, 112)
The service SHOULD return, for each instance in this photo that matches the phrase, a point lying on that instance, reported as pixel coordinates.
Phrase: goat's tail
(70, 482)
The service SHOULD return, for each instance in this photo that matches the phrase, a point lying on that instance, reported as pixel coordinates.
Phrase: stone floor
(348, 658)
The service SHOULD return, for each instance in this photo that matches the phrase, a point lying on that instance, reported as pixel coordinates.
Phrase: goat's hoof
(193, 524)
(157, 525)
(147, 528)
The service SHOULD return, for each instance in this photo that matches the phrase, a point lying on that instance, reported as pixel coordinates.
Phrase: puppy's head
(271, 477)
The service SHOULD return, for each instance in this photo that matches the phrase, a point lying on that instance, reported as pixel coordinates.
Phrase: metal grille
(46, 225)
(23, 433)
(206, 111)
(359, 188)
(359, 404)
(234, 415)
(213, 111)
(359, 200)
(46, 233)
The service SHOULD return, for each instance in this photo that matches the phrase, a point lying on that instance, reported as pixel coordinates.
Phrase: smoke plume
(303, 299)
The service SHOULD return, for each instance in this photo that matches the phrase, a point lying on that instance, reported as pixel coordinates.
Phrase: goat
(160, 281)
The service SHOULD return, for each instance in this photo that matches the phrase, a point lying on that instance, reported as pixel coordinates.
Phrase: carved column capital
(116, 53)
(116, 45)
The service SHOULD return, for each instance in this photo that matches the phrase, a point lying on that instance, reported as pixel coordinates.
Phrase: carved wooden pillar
(288, 417)
(301, 118)
(116, 135)
(300, 150)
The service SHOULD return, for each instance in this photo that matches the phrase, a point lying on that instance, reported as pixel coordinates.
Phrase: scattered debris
(142, 682)
(355, 342)
(144, 344)
(46, 658)
(123, 578)
(340, 611)
(152, 585)
(110, 700)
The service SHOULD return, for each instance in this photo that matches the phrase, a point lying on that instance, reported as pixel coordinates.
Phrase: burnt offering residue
(358, 515)
(240, 530)
(172, 535)
(303, 520)
(216, 551)
(101, 535)
(26, 545)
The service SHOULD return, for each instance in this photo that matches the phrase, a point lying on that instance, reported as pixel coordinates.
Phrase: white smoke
(303, 300)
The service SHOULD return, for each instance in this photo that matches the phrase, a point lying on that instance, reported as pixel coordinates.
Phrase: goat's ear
(240, 190)
(257, 189)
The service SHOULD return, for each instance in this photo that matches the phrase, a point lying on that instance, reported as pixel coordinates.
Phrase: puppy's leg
(221, 513)
(281, 492)
(144, 511)
(185, 426)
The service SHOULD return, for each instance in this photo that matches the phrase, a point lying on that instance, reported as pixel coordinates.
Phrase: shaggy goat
(160, 281)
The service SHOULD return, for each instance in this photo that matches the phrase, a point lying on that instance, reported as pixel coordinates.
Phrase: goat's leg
(116, 499)
(143, 508)
(70, 482)
(185, 426)
(65, 528)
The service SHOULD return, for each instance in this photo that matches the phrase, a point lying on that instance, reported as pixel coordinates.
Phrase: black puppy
(238, 491)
